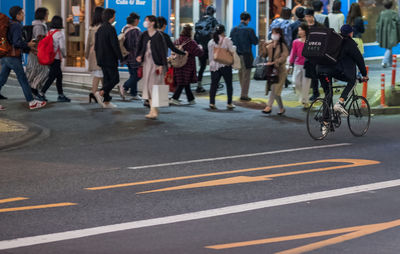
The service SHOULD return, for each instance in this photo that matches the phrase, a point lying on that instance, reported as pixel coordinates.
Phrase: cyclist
(344, 70)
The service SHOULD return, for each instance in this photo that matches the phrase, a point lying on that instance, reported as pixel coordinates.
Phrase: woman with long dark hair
(218, 69)
(90, 54)
(152, 54)
(354, 18)
(277, 52)
(36, 73)
(336, 18)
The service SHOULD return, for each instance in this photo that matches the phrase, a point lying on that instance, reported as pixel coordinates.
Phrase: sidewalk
(290, 99)
(14, 134)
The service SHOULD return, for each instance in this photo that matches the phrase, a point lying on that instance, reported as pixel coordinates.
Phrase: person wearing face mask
(107, 55)
(152, 54)
(218, 69)
(277, 52)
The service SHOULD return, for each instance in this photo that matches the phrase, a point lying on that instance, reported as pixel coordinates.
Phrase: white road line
(240, 156)
(49, 238)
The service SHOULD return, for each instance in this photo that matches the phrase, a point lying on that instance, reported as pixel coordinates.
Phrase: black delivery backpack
(322, 46)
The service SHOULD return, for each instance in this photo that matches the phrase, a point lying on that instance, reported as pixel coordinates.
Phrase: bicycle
(358, 118)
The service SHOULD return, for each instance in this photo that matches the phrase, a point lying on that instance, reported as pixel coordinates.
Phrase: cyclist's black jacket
(350, 57)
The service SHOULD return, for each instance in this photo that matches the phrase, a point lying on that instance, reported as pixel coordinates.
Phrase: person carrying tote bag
(219, 69)
(277, 52)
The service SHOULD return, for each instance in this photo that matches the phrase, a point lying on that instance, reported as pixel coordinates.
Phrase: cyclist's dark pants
(326, 79)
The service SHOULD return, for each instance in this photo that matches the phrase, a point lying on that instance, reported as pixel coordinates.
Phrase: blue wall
(123, 11)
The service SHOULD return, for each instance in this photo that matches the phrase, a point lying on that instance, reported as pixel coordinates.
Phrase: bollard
(383, 90)
(365, 89)
(394, 65)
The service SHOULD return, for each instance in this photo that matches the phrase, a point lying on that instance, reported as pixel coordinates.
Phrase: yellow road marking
(22, 208)
(11, 199)
(352, 233)
(248, 179)
(352, 163)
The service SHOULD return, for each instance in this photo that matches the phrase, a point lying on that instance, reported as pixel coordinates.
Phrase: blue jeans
(15, 64)
(388, 57)
(131, 83)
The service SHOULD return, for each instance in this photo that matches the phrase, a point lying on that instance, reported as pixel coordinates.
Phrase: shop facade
(77, 15)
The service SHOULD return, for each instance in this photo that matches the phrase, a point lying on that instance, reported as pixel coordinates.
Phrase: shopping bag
(159, 96)
(236, 61)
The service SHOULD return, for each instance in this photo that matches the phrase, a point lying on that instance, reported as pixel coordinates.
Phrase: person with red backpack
(11, 56)
(56, 53)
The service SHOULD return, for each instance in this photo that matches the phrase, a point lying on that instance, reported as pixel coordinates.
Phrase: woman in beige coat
(280, 52)
(90, 54)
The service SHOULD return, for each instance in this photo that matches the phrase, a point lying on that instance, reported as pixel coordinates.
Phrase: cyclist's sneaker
(324, 129)
(339, 107)
(35, 104)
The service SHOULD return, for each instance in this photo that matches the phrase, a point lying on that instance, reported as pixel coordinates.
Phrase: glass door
(75, 28)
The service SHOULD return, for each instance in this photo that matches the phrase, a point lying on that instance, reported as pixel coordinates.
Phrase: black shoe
(63, 98)
(266, 112)
(2, 97)
(200, 90)
(313, 98)
(146, 103)
(220, 86)
(92, 97)
(245, 98)
(282, 113)
(41, 97)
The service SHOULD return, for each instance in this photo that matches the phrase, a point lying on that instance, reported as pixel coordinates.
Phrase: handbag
(272, 71)
(140, 72)
(222, 55)
(169, 79)
(261, 68)
(177, 60)
(159, 96)
(237, 65)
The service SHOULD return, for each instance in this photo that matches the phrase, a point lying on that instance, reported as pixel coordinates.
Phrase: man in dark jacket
(345, 69)
(132, 34)
(203, 32)
(107, 54)
(13, 61)
(243, 37)
(310, 68)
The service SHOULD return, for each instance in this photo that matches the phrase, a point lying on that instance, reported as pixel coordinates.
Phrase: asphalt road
(195, 181)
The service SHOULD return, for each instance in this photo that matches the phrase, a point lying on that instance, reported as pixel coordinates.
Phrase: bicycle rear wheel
(359, 116)
(315, 119)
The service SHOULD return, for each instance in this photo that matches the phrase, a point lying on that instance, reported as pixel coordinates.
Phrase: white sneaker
(100, 99)
(109, 105)
(174, 102)
(230, 106)
(136, 98)
(339, 107)
(324, 130)
(192, 102)
(35, 104)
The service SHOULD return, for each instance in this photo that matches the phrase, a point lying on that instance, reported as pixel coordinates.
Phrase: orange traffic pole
(365, 89)
(383, 90)
(394, 65)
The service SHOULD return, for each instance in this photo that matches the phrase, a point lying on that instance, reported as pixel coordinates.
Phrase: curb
(385, 110)
(34, 134)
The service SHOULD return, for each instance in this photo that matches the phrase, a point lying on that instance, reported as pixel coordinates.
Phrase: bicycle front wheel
(359, 116)
(315, 119)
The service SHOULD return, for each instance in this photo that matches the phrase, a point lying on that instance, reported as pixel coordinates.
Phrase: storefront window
(262, 19)
(75, 33)
(371, 10)
(186, 13)
(221, 7)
